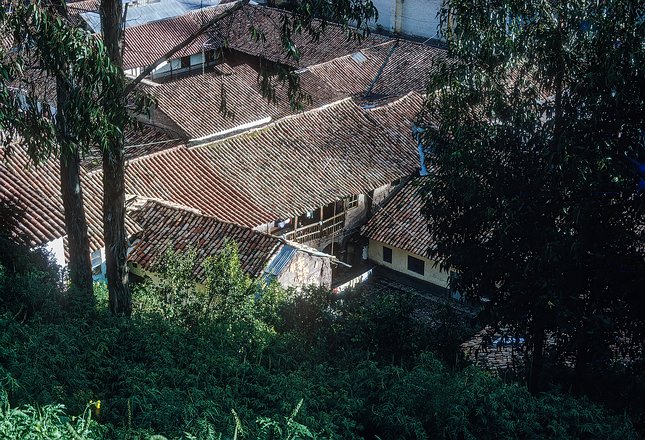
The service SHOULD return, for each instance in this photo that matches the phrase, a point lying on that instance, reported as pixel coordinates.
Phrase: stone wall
(305, 269)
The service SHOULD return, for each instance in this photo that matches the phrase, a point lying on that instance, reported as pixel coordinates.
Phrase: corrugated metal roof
(279, 262)
(138, 15)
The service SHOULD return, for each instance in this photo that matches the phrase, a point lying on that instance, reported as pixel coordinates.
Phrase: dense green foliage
(537, 197)
(283, 365)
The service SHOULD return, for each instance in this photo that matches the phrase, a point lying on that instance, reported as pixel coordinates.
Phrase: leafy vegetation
(237, 359)
(536, 129)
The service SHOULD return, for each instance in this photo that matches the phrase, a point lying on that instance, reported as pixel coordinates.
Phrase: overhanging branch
(165, 57)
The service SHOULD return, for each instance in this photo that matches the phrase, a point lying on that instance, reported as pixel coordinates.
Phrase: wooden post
(333, 229)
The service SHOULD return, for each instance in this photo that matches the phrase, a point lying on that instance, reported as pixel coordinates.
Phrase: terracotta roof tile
(181, 176)
(145, 43)
(309, 160)
(407, 69)
(37, 190)
(318, 91)
(196, 103)
(139, 142)
(164, 226)
(332, 43)
(400, 222)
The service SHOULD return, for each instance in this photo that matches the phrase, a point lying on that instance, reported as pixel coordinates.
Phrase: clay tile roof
(196, 104)
(37, 192)
(396, 117)
(145, 43)
(407, 69)
(164, 226)
(306, 161)
(319, 92)
(400, 222)
(139, 142)
(181, 176)
(333, 41)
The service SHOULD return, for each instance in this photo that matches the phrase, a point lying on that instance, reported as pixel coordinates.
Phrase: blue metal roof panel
(279, 262)
(138, 15)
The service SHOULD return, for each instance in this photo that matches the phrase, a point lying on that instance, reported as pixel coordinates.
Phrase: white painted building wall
(409, 17)
(57, 249)
(432, 273)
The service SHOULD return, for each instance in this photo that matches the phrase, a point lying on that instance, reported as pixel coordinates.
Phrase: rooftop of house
(180, 176)
(166, 227)
(333, 42)
(213, 104)
(311, 159)
(287, 168)
(400, 223)
(139, 141)
(36, 191)
(313, 92)
(387, 70)
(146, 41)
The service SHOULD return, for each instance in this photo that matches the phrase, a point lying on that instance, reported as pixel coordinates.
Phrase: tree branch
(165, 57)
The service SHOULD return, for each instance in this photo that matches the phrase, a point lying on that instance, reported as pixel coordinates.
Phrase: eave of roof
(400, 223)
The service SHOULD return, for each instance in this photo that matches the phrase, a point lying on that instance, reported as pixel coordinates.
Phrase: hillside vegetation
(239, 360)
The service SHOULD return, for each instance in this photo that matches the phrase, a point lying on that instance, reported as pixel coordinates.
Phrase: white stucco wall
(419, 17)
(305, 269)
(399, 263)
(386, 11)
(57, 249)
(356, 215)
(380, 194)
(415, 17)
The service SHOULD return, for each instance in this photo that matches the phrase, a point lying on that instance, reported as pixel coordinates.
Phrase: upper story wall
(409, 17)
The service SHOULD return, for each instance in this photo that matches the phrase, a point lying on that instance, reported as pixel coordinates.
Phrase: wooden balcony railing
(317, 230)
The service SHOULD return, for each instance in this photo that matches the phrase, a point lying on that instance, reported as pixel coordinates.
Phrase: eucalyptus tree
(309, 16)
(536, 124)
(53, 76)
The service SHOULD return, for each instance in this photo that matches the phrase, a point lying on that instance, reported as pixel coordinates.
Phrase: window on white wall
(387, 254)
(415, 265)
(351, 202)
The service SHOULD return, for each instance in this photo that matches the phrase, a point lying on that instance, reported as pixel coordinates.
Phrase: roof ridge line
(397, 100)
(275, 123)
(349, 55)
(197, 212)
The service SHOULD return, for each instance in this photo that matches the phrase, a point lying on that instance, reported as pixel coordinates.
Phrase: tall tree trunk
(114, 229)
(116, 246)
(80, 264)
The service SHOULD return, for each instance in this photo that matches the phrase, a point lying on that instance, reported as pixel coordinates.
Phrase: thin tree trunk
(80, 264)
(114, 229)
(116, 246)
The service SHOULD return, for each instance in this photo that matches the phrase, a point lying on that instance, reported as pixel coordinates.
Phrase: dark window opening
(387, 254)
(185, 62)
(415, 265)
(210, 56)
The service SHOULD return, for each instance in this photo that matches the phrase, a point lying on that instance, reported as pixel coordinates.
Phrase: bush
(188, 357)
